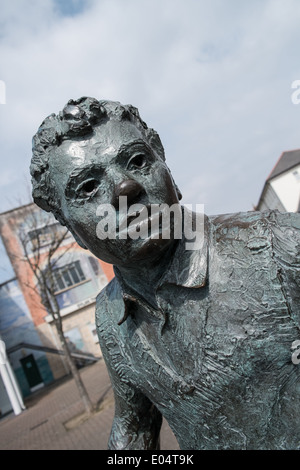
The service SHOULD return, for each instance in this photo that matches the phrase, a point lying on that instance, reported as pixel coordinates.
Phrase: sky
(214, 79)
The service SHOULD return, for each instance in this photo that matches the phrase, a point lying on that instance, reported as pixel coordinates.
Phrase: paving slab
(49, 423)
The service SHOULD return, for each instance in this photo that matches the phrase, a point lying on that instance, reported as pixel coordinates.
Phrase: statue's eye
(87, 188)
(138, 161)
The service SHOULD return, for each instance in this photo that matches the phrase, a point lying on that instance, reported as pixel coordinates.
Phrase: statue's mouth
(141, 223)
(146, 221)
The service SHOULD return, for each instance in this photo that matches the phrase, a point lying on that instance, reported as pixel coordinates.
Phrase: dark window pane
(74, 275)
(95, 265)
(68, 275)
(59, 281)
(67, 278)
(79, 270)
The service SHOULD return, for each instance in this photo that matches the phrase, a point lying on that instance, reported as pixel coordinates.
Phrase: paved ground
(49, 421)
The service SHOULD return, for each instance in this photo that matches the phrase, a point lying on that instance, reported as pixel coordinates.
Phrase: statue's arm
(136, 424)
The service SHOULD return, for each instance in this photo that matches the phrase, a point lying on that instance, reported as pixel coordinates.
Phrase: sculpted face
(115, 161)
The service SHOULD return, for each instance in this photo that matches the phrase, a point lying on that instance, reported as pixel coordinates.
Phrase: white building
(282, 188)
(10, 394)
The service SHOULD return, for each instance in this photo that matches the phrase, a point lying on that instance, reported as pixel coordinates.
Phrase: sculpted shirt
(212, 351)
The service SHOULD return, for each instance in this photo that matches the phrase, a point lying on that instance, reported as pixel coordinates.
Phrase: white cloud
(213, 78)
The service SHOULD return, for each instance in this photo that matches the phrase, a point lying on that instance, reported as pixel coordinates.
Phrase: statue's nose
(130, 188)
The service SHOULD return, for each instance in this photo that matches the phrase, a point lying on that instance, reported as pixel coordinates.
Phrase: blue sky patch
(71, 7)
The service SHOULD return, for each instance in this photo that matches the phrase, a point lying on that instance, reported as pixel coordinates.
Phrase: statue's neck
(144, 277)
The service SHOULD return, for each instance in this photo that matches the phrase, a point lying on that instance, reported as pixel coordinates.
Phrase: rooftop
(286, 161)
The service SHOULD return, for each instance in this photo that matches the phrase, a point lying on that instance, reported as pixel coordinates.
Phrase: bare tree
(43, 264)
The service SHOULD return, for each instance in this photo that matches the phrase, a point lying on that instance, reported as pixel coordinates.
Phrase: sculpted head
(91, 153)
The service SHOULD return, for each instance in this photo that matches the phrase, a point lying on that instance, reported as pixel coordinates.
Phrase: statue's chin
(128, 252)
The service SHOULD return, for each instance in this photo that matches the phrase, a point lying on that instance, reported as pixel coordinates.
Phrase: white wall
(5, 405)
(287, 188)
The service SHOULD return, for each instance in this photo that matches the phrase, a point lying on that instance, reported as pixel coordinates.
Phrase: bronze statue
(202, 336)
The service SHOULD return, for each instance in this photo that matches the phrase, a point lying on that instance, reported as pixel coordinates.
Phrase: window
(68, 276)
(95, 265)
(43, 236)
(297, 175)
(75, 341)
(93, 329)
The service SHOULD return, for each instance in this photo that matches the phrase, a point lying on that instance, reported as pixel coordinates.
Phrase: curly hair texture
(77, 119)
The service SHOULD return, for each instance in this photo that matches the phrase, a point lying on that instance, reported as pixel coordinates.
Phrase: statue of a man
(203, 336)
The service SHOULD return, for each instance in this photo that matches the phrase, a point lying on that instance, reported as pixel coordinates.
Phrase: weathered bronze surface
(204, 337)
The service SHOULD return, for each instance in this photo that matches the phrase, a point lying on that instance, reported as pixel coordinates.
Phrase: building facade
(18, 363)
(282, 188)
(29, 236)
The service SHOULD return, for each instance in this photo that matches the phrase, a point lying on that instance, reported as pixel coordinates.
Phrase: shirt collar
(187, 268)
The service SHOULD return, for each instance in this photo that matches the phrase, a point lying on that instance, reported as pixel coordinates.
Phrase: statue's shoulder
(286, 239)
(284, 220)
(108, 303)
(278, 231)
(239, 226)
(273, 220)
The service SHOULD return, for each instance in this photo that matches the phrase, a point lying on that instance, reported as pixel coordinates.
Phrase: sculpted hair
(78, 118)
